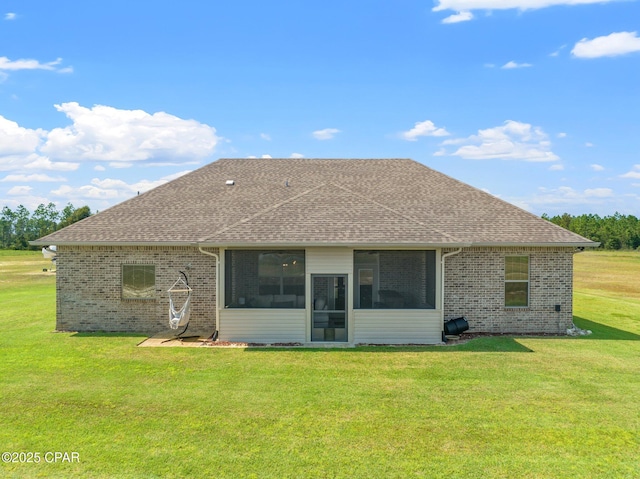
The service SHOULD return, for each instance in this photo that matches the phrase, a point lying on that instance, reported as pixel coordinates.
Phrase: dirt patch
(236, 344)
(468, 336)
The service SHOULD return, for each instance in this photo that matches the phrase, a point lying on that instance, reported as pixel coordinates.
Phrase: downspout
(442, 262)
(214, 336)
(573, 330)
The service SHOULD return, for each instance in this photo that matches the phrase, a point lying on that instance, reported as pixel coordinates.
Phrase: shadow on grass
(494, 344)
(602, 331)
(502, 344)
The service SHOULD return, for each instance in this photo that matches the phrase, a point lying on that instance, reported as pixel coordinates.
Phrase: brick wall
(88, 286)
(474, 288)
(89, 289)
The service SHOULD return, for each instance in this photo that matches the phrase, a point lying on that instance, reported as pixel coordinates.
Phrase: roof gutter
(214, 336)
(112, 243)
(313, 244)
(318, 244)
(576, 244)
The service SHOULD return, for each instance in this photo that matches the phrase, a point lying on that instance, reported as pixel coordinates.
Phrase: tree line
(612, 232)
(19, 226)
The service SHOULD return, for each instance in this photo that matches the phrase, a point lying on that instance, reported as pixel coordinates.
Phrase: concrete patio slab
(168, 339)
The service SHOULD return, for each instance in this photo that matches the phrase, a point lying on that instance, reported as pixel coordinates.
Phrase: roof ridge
(408, 218)
(262, 212)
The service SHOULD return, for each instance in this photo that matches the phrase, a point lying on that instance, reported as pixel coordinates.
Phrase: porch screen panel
(265, 279)
(395, 279)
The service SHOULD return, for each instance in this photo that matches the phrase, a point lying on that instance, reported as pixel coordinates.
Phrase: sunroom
(330, 295)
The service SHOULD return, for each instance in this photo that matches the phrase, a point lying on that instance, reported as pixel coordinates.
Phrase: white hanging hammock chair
(179, 316)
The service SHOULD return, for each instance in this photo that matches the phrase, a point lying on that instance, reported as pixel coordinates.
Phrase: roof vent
(230, 182)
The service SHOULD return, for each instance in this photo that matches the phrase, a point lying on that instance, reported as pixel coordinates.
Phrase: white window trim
(528, 281)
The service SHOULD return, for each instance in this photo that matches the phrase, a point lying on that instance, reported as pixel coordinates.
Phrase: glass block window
(138, 281)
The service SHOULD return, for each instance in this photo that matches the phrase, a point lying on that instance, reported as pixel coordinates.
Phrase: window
(516, 281)
(395, 279)
(138, 281)
(264, 279)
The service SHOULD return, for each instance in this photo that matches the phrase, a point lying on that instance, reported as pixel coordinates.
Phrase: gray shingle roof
(315, 201)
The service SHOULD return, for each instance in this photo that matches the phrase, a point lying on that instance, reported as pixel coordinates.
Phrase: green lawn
(494, 407)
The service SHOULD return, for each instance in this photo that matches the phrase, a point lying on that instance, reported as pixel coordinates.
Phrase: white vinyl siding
(397, 326)
(385, 326)
(329, 260)
(263, 325)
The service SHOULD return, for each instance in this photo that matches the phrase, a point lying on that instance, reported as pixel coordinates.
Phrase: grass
(494, 407)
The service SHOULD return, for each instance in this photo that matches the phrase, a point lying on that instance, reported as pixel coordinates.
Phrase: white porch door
(329, 307)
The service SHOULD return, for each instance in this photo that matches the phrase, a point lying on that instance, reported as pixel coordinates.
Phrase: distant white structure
(50, 253)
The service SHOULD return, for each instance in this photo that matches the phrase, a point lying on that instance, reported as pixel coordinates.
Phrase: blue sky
(534, 101)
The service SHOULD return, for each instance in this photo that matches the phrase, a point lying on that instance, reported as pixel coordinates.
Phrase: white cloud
(19, 149)
(17, 140)
(265, 136)
(440, 152)
(102, 133)
(561, 135)
(109, 189)
(120, 164)
(28, 64)
(10, 16)
(588, 144)
(470, 5)
(423, 128)
(615, 44)
(85, 192)
(556, 167)
(99, 168)
(634, 173)
(33, 161)
(557, 52)
(44, 163)
(564, 197)
(35, 177)
(596, 167)
(20, 191)
(512, 65)
(326, 134)
(296, 155)
(266, 156)
(464, 16)
(105, 133)
(512, 141)
(29, 201)
(598, 193)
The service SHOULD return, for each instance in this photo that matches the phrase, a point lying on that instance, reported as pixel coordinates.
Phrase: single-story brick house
(317, 250)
